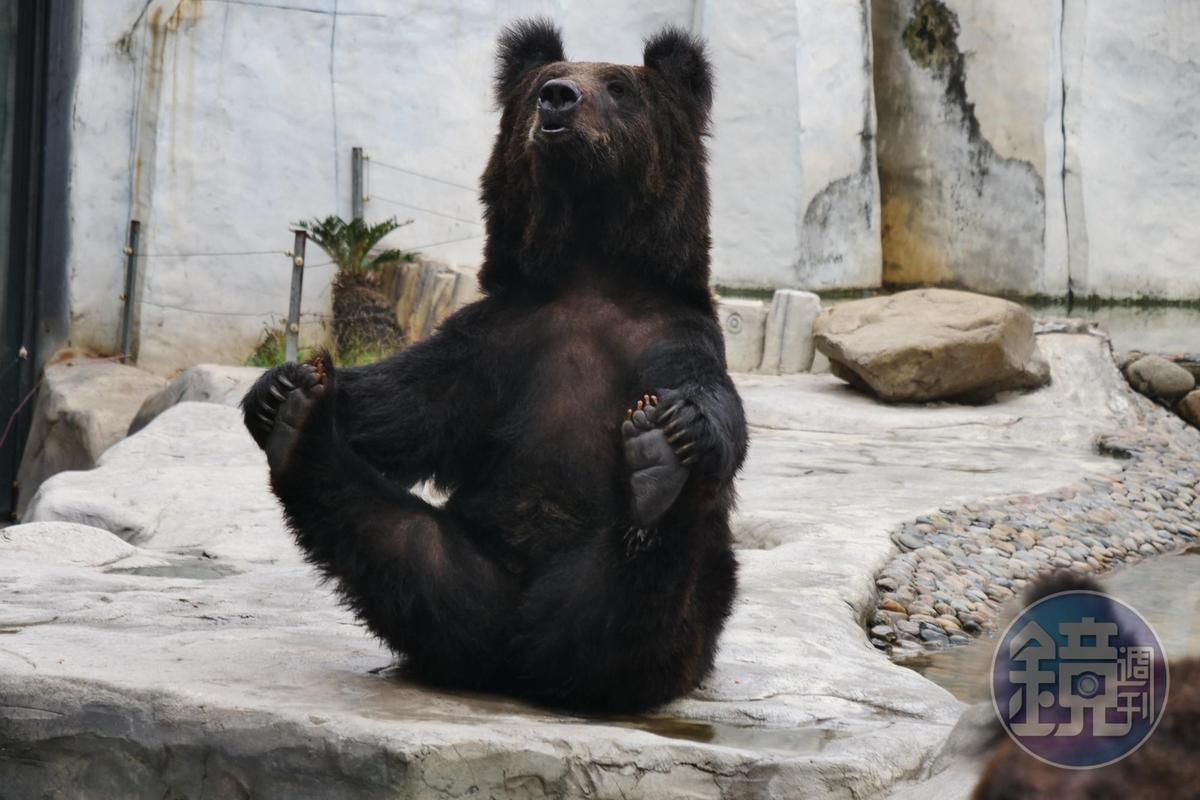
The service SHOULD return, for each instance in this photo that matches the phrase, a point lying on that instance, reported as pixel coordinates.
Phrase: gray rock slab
(191, 481)
(788, 340)
(744, 324)
(148, 682)
(203, 383)
(83, 407)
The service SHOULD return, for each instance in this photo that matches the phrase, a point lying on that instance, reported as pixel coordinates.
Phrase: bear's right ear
(522, 46)
(682, 59)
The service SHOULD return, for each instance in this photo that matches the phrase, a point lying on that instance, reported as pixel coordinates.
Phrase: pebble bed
(958, 566)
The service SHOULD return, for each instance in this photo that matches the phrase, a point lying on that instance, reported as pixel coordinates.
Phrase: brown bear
(579, 417)
(1165, 766)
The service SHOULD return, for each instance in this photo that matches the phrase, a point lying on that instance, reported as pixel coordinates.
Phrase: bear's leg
(606, 631)
(413, 573)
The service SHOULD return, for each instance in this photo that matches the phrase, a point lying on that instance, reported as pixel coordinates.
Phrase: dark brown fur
(544, 575)
(630, 187)
(1166, 766)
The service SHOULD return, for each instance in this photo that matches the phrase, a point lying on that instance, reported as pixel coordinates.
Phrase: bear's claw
(639, 539)
(270, 394)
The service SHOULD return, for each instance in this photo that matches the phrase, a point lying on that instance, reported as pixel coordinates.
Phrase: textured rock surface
(1012, 135)
(794, 119)
(256, 673)
(83, 407)
(1155, 376)
(426, 292)
(788, 340)
(744, 324)
(963, 147)
(191, 481)
(203, 383)
(249, 678)
(932, 344)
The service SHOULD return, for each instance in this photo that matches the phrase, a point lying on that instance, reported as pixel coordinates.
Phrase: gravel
(958, 566)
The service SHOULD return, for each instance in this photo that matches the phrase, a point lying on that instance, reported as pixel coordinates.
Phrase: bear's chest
(562, 408)
(585, 356)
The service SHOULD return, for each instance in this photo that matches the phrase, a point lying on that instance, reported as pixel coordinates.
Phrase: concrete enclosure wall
(1040, 146)
(219, 123)
(216, 124)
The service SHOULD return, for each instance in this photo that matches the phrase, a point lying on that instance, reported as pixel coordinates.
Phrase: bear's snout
(556, 99)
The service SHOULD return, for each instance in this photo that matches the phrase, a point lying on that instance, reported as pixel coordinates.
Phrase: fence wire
(415, 174)
(273, 315)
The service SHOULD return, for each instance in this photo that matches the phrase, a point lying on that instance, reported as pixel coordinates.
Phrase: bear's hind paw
(638, 540)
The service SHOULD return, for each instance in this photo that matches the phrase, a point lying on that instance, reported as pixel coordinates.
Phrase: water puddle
(742, 737)
(202, 569)
(387, 694)
(1151, 329)
(1166, 591)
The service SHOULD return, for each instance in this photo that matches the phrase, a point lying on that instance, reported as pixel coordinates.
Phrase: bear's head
(596, 165)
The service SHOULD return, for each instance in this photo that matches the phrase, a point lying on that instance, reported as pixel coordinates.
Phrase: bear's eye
(617, 89)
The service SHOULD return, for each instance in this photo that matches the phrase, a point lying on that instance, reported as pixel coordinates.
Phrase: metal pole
(356, 182)
(131, 265)
(292, 337)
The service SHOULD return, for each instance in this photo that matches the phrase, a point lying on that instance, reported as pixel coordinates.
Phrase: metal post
(292, 337)
(131, 265)
(356, 182)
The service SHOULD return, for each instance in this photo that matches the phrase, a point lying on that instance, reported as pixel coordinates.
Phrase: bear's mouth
(553, 128)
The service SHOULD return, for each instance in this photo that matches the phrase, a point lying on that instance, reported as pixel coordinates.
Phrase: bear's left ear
(680, 58)
(524, 45)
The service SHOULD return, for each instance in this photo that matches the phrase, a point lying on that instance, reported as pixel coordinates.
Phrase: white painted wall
(1085, 175)
(217, 123)
(1133, 129)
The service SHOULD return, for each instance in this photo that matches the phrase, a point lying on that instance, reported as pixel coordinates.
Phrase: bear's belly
(559, 476)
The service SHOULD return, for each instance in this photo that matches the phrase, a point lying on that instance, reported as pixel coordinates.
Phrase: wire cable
(416, 174)
(428, 210)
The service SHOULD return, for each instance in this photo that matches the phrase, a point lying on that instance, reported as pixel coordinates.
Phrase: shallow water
(812, 739)
(1165, 590)
(195, 569)
(1151, 329)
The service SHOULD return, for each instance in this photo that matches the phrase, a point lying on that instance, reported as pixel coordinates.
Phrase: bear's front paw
(658, 470)
(279, 403)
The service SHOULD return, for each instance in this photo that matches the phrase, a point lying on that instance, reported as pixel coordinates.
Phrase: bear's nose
(559, 95)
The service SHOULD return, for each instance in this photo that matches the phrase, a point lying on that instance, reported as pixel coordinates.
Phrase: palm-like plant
(349, 244)
(363, 319)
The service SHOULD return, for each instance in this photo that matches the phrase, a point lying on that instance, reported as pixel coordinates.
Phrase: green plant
(364, 321)
(349, 244)
(270, 351)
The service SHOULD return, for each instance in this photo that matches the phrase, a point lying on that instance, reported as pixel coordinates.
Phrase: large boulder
(83, 408)
(203, 383)
(932, 344)
(1159, 378)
